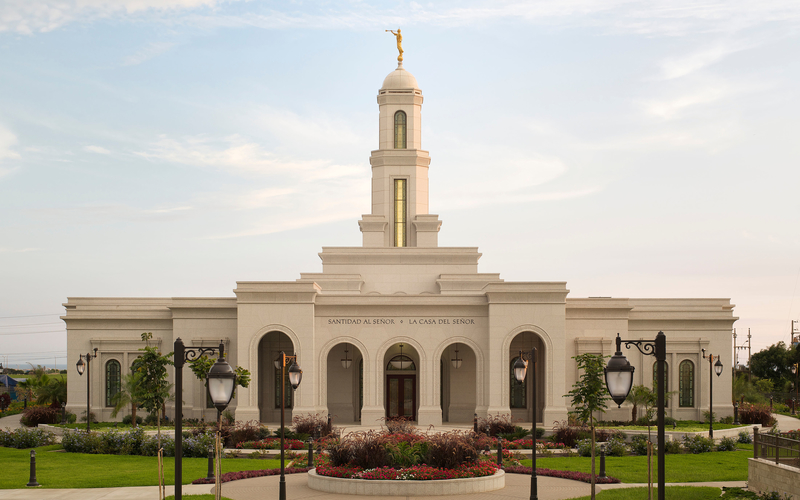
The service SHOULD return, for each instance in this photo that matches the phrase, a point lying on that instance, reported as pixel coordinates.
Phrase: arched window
(519, 390)
(400, 130)
(666, 381)
(113, 380)
(686, 389)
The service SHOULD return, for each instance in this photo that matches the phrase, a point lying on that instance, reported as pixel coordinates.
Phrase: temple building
(401, 326)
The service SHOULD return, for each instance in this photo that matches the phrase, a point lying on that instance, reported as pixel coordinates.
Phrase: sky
(167, 148)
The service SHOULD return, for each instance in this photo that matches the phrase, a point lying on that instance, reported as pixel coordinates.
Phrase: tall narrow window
(400, 130)
(113, 381)
(686, 389)
(399, 212)
(519, 390)
(666, 381)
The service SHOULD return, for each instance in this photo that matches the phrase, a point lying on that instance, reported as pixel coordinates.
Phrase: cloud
(32, 16)
(18, 250)
(148, 52)
(677, 67)
(97, 149)
(670, 108)
(656, 18)
(7, 142)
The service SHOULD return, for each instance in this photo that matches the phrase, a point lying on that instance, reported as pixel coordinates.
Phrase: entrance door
(401, 396)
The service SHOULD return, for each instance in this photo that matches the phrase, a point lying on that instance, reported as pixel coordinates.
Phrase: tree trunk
(593, 492)
(133, 415)
(633, 414)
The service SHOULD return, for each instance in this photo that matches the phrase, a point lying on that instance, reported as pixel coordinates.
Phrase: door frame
(400, 378)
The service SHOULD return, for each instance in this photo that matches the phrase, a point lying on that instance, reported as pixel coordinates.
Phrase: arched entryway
(401, 364)
(269, 371)
(457, 383)
(345, 383)
(521, 394)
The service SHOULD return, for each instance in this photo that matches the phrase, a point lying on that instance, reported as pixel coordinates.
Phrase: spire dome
(399, 79)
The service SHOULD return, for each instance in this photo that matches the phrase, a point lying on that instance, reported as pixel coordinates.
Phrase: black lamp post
(717, 367)
(520, 368)
(619, 380)
(219, 379)
(295, 376)
(84, 367)
(794, 401)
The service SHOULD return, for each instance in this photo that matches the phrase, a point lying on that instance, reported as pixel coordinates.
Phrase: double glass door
(401, 396)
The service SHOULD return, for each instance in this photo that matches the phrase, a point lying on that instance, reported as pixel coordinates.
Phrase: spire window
(400, 130)
(400, 203)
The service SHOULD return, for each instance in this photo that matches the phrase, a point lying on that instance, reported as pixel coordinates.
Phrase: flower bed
(272, 444)
(573, 475)
(247, 474)
(406, 486)
(415, 473)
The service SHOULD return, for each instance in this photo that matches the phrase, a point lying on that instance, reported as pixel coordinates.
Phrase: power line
(31, 333)
(30, 316)
(32, 324)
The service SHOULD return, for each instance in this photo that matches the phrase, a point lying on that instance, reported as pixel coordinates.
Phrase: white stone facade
(400, 290)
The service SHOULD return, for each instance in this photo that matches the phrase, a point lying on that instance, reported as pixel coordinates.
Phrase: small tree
(54, 393)
(128, 394)
(154, 390)
(202, 365)
(589, 395)
(640, 396)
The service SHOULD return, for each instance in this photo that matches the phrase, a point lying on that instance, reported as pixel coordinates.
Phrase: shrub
(127, 419)
(669, 421)
(727, 420)
(672, 446)
(495, 425)
(150, 419)
(451, 449)
(518, 433)
(638, 444)
(745, 437)
(697, 443)
(35, 415)
(313, 424)
(726, 444)
(709, 415)
(91, 415)
(26, 438)
(755, 414)
(400, 425)
(80, 441)
(615, 447)
(362, 449)
(244, 431)
(564, 432)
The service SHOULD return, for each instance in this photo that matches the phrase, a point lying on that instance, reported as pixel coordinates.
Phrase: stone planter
(405, 488)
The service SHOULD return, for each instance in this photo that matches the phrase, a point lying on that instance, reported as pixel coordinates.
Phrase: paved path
(786, 423)
(11, 422)
(136, 493)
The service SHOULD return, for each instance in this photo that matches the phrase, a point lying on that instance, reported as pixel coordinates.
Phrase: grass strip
(670, 493)
(683, 468)
(56, 469)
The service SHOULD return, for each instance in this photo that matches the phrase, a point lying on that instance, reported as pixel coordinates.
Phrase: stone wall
(764, 476)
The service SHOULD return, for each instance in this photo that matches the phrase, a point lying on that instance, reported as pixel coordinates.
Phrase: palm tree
(128, 395)
(640, 396)
(55, 392)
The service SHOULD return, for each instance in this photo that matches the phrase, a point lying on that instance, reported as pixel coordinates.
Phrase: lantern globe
(81, 366)
(221, 379)
(295, 375)
(718, 367)
(520, 368)
(619, 377)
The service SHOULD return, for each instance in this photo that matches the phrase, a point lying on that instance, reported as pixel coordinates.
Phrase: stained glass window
(400, 130)
(686, 389)
(400, 212)
(113, 380)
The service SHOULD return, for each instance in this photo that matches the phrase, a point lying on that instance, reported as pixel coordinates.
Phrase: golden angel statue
(399, 43)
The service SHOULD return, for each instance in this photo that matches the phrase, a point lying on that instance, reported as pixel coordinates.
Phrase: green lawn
(74, 470)
(715, 466)
(671, 493)
(682, 426)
